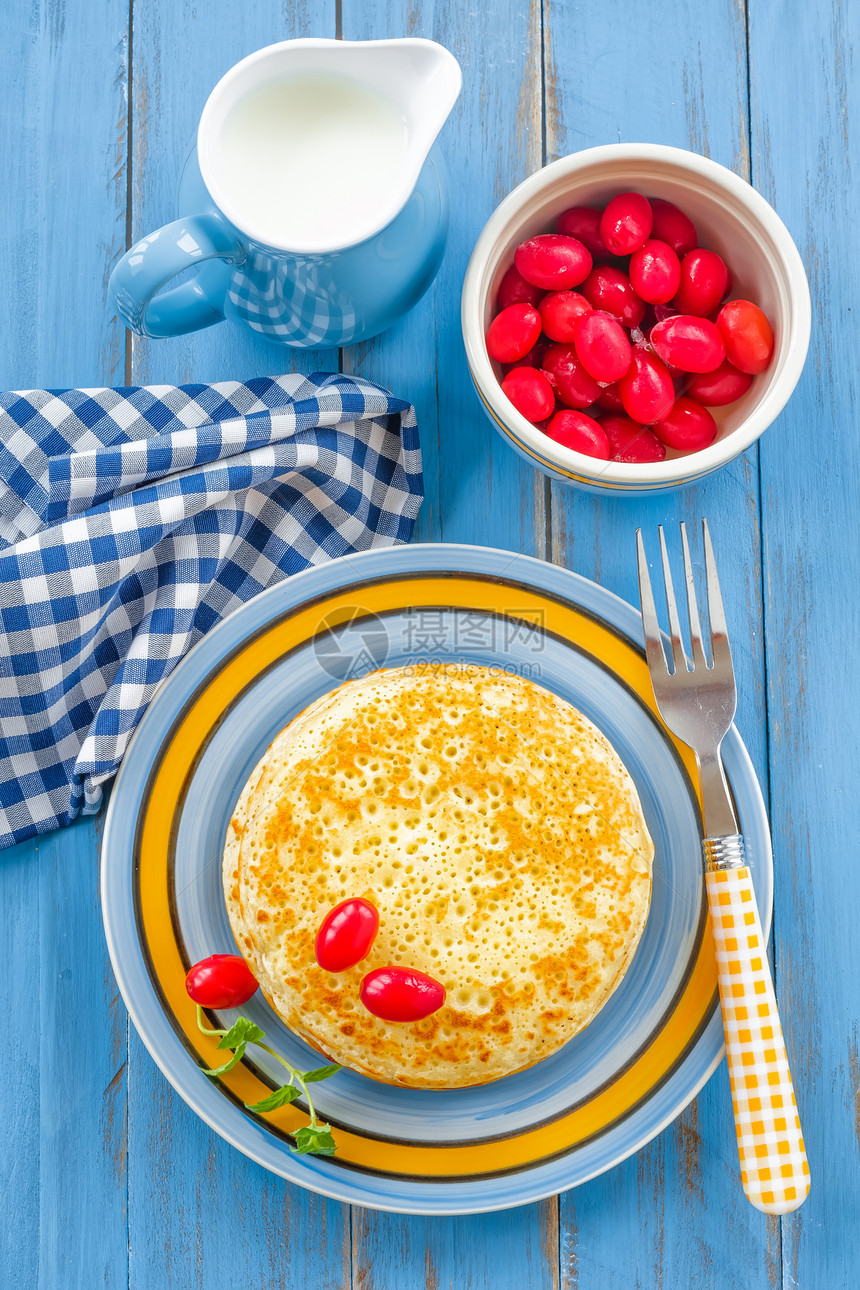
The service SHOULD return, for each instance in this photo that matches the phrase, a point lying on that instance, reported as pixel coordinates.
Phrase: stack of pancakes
(499, 836)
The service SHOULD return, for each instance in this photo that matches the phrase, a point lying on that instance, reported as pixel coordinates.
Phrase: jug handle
(136, 283)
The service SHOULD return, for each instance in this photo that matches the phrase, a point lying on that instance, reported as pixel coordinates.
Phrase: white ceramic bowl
(730, 218)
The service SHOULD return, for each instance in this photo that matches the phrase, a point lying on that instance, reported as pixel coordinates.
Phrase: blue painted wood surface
(107, 1178)
(62, 224)
(805, 112)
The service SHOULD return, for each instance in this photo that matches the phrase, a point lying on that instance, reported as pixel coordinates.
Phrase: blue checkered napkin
(132, 521)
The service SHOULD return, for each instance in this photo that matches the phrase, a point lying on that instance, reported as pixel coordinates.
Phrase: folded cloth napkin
(133, 520)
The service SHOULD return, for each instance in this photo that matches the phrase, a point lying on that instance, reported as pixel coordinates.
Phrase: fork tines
(719, 643)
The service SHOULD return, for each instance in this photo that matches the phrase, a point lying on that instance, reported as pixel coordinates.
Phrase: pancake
(501, 839)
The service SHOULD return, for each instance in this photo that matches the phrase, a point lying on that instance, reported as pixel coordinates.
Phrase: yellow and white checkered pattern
(774, 1169)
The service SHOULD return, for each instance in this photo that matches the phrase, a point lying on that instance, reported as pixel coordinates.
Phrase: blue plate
(575, 1114)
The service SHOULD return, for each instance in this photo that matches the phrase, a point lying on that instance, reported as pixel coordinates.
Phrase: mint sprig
(314, 1138)
(281, 1096)
(322, 1072)
(242, 1031)
(228, 1066)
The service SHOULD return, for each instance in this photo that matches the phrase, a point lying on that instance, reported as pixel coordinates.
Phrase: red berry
(631, 442)
(530, 392)
(559, 310)
(688, 427)
(553, 261)
(346, 934)
(719, 387)
(581, 433)
(583, 223)
(671, 225)
(611, 290)
(514, 290)
(610, 399)
(512, 333)
(647, 390)
(602, 346)
(626, 223)
(704, 282)
(221, 981)
(747, 334)
(401, 994)
(571, 382)
(575, 347)
(655, 272)
(691, 344)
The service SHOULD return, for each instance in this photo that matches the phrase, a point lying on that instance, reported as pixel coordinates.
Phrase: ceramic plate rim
(457, 558)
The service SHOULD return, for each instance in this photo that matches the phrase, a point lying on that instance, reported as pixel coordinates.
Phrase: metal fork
(698, 704)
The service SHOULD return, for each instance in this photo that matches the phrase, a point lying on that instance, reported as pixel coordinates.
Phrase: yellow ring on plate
(154, 840)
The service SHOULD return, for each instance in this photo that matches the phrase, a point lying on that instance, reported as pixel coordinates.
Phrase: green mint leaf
(228, 1066)
(322, 1072)
(315, 1140)
(243, 1032)
(281, 1096)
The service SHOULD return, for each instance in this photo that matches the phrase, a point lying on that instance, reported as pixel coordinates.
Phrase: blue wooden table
(107, 1178)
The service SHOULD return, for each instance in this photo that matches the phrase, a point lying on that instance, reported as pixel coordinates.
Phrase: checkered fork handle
(774, 1168)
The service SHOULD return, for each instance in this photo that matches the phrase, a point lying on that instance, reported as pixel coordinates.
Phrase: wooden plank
(516, 1249)
(477, 491)
(201, 1214)
(62, 210)
(806, 132)
(63, 196)
(620, 72)
(20, 977)
(83, 1104)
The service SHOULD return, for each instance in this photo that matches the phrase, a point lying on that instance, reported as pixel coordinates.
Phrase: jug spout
(422, 79)
(427, 89)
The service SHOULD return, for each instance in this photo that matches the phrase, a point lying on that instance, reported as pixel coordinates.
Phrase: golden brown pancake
(498, 834)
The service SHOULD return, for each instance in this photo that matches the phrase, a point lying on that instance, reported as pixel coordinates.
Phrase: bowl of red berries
(634, 317)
